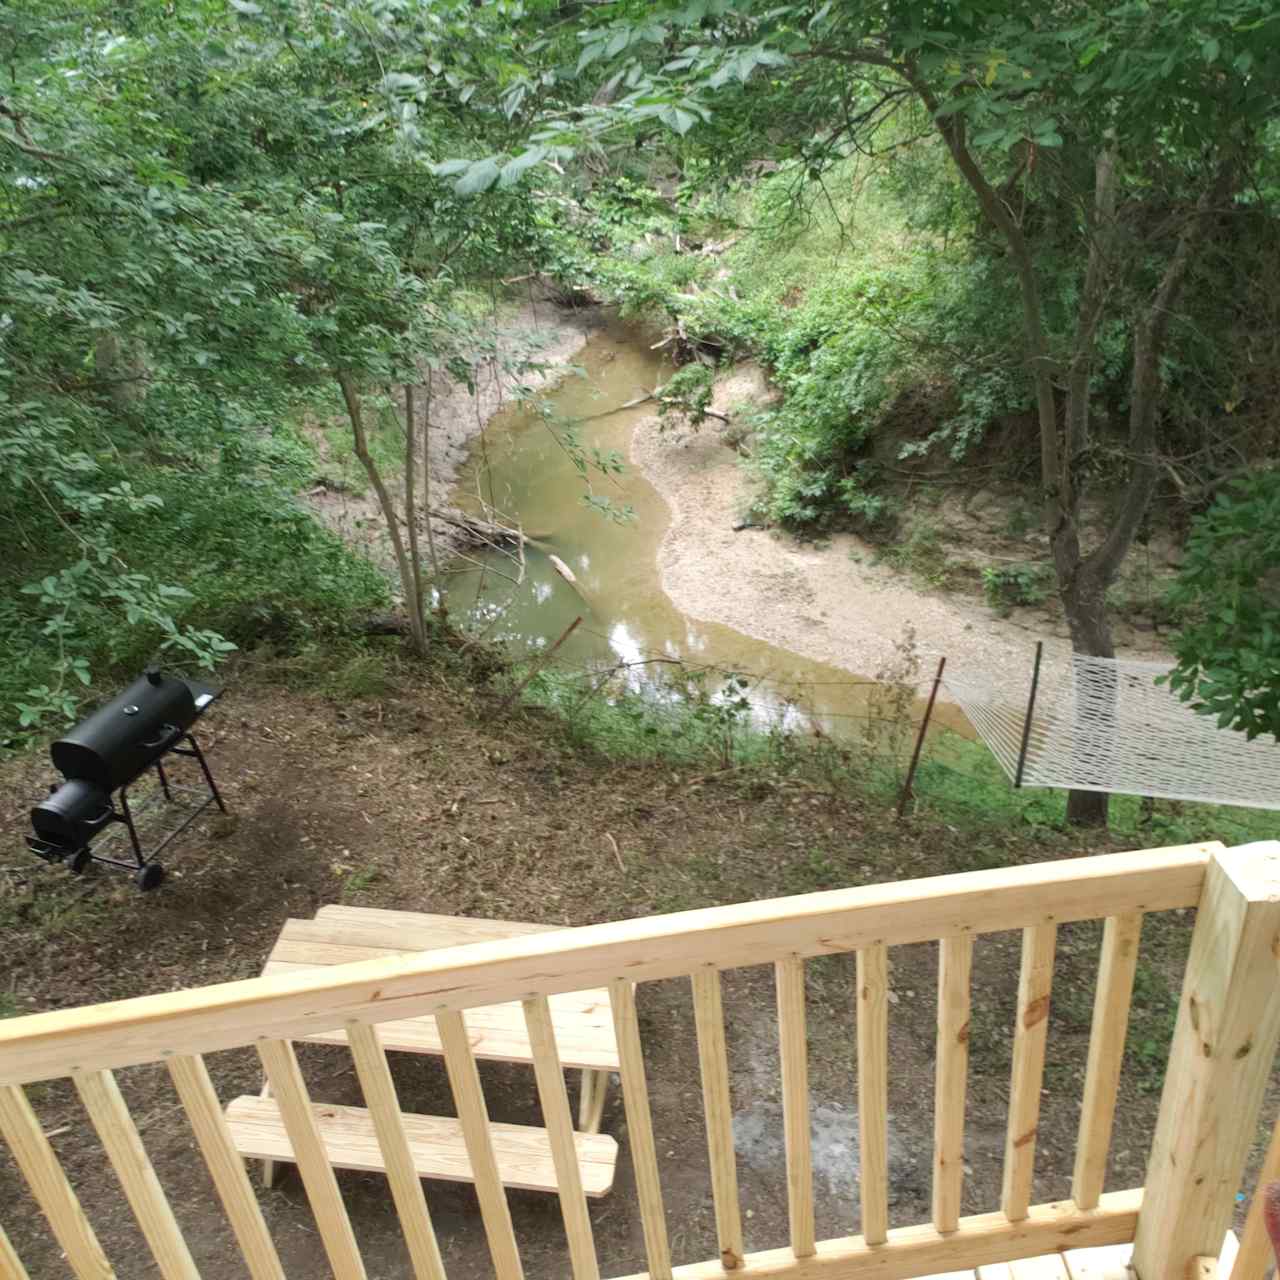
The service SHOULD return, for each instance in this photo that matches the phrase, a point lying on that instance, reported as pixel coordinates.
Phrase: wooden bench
(583, 1023)
(523, 1153)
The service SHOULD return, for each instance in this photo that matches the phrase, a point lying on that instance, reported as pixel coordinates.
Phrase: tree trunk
(411, 513)
(437, 578)
(352, 399)
(1084, 600)
(122, 370)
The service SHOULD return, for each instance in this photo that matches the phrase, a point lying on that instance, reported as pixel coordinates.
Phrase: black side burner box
(106, 752)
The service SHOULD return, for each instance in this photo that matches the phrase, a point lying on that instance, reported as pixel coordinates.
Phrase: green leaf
(1209, 49)
(514, 168)
(678, 119)
(480, 176)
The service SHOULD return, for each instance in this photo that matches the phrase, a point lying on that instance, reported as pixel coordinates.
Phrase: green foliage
(1229, 653)
(207, 211)
(919, 553)
(1008, 586)
(687, 394)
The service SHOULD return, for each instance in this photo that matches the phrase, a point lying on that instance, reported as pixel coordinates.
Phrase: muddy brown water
(521, 468)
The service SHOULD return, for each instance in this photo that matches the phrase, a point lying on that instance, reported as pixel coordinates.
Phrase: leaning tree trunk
(351, 396)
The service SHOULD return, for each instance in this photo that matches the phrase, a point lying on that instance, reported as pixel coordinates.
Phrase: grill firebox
(103, 755)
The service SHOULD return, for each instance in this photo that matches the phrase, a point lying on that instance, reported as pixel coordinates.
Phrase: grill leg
(204, 768)
(164, 781)
(133, 831)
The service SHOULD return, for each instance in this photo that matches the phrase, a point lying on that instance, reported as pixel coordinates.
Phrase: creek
(520, 469)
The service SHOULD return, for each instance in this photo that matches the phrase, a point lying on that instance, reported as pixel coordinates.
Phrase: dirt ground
(421, 797)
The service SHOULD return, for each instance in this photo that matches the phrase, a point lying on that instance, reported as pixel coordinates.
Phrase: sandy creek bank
(833, 603)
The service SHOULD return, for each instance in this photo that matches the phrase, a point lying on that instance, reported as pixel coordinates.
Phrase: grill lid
(132, 731)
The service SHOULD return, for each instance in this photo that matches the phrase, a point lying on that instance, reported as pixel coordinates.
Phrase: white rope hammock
(1103, 724)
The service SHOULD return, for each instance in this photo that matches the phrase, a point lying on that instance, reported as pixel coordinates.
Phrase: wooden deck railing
(1223, 1048)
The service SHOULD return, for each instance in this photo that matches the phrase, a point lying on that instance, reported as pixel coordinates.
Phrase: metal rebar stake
(1031, 707)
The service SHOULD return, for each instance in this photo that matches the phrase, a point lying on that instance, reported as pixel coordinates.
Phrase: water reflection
(627, 619)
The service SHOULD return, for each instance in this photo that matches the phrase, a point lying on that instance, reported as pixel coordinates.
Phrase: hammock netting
(1103, 724)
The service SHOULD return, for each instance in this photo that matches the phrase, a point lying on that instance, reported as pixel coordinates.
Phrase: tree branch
(1149, 339)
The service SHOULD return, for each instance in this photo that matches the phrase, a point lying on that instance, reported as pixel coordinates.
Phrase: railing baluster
(11, 1267)
(406, 1187)
(955, 964)
(1035, 981)
(106, 1107)
(290, 1092)
(794, 1053)
(468, 1096)
(713, 1061)
(564, 1149)
(200, 1101)
(873, 1091)
(58, 1202)
(1255, 1249)
(644, 1155)
(1106, 1055)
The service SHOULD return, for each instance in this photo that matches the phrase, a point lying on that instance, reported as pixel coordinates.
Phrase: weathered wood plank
(917, 1251)
(1224, 1045)
(436, 1145)
(41, 1168)
(473, 1115)
(794, 1051)
(204, 1112)
(873, 1091)
(393, 1143)
(1106, 1055)
(289, 1091)
(347, 935)
(951, 1072)
(559, 1121)
(713, 1062)
(106, 1107)
(1107, 1262)
(48, 1045)
(1035, 982)
(1049, 1266)
(644, 1154)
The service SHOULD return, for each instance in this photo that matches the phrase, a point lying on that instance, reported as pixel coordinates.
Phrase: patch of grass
(1151, 1023)
(961, 781)
(921, 555)
(358, 881)
(340, 468)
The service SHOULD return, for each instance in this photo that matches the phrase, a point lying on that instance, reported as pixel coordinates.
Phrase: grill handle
(168, 733)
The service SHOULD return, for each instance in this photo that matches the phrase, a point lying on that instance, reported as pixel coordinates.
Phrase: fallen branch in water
(484, 530)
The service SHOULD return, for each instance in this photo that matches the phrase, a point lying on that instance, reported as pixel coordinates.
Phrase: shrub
(1011, 585)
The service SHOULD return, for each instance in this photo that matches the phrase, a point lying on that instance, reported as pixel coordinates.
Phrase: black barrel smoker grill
(104, 755)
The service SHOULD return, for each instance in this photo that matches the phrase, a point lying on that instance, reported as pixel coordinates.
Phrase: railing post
(1224, 1044)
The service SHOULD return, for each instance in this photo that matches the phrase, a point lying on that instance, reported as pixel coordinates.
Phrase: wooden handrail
(47, 1046)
